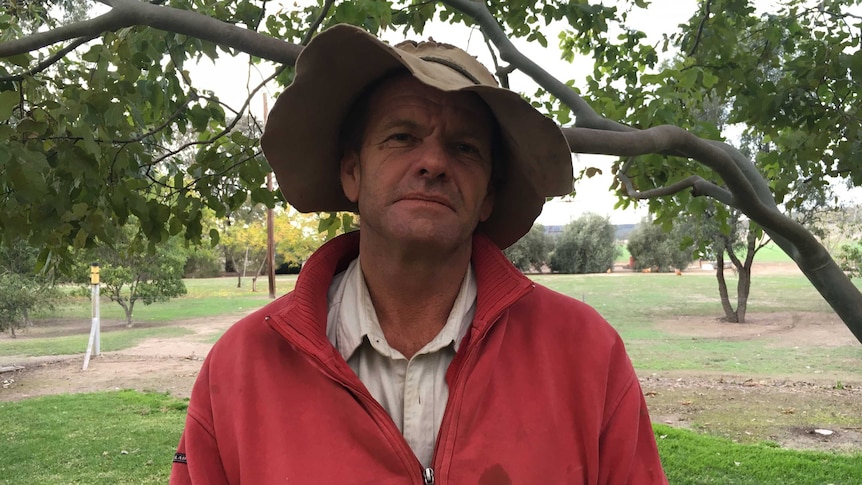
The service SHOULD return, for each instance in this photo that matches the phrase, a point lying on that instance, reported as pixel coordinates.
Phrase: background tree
(244, 240)
(653, 247)
(531, 252)
(203, 261)
(23, 290)
(586, 245)
(94, 104)
(134, 271)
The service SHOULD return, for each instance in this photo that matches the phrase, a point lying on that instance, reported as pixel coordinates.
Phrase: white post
(94, 311)
(96, 321)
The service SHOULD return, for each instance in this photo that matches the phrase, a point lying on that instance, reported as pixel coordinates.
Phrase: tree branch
(48, 62)
(700, 27)
(697, 184)
(127, 13)
(585, 116)
(311, 30)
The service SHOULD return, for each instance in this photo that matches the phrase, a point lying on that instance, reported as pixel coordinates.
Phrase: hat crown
(451, 56)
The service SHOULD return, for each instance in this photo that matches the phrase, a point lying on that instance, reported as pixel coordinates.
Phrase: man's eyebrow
(398, 122)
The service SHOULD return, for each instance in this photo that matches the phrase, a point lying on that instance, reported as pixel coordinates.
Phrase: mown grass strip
(77, 344)
(692, 458)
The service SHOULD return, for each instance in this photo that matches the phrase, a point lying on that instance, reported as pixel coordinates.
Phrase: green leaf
(8, 101)
(214, 237)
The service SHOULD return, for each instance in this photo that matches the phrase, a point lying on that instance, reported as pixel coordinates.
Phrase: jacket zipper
(378, 414)
(426, 473)
(456, 387)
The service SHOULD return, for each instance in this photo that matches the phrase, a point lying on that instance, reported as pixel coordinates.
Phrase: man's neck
(413, 294)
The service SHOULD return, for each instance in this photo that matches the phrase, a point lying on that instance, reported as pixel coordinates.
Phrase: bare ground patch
(779, 328)
(156, 364)
(786, 412)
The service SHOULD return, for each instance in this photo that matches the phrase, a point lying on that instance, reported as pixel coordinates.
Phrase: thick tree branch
(585, 116)
(127, 13)
(697, 184)
(752, 197)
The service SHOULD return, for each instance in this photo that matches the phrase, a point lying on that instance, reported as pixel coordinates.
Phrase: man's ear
(487, 204)
(350, 174)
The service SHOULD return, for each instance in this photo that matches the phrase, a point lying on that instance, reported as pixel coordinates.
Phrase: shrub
(585, 246)
(532, 251)
(652, 247)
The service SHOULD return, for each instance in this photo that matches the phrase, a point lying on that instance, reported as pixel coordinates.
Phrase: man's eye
(400, 137)
(467, 148)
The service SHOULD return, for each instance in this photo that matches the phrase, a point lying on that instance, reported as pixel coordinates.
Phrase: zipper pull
(428, 476)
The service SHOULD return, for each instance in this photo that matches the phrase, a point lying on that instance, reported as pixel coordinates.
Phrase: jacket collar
(499, 285)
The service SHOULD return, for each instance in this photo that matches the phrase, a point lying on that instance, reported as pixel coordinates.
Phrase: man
(412, 351)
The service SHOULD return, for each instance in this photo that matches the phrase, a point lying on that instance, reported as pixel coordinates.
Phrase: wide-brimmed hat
(301, 138)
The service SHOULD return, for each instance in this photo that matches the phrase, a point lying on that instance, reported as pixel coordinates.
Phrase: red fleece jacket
(541, 392)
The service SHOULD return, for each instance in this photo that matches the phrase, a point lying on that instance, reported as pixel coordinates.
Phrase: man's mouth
(429, 198)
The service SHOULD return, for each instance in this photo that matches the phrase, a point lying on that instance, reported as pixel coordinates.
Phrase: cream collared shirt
(414, 392)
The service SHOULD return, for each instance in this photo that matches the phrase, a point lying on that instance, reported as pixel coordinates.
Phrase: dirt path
(157, 364)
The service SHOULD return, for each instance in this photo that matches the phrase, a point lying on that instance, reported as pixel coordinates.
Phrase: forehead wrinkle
(466, 122)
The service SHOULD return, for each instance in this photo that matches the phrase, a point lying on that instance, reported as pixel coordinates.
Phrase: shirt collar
(352, 318)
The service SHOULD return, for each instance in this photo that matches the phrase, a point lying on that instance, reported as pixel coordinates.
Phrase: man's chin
(430, 238)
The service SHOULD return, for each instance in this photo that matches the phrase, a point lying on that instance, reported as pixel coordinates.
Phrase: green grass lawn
(128, 437)
(122, 437)
(77, 344)
(692, 458)
(206, 297)
(632, 303)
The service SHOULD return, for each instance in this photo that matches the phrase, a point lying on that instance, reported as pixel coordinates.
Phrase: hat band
(453, 66)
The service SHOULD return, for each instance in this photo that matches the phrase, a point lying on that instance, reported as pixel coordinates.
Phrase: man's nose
(433, 159)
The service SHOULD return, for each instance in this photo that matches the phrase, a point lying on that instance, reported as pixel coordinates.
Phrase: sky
(229, 78)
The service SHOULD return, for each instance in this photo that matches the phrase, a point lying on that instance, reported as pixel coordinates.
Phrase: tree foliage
(131, 271)
(531, 252)
(22, 289)
(244, 240)
(585, 246)
(654, 248)
(91, 112)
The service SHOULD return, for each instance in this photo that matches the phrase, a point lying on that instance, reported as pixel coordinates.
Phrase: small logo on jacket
(180, 458)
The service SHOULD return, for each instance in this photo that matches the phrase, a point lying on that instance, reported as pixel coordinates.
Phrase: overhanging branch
(128, 13)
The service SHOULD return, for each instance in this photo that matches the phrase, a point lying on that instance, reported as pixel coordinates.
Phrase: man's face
(421, 177)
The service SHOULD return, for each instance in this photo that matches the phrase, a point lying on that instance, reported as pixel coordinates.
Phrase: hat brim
(300, 140)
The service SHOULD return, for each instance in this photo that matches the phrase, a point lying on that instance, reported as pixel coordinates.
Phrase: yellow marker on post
(94, 274)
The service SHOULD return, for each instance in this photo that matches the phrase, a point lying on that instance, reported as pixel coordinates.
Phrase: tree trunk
(729, 313)
(12, 331)
(257, 275)
(743, 286)
(238, 274)
(127, 309)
